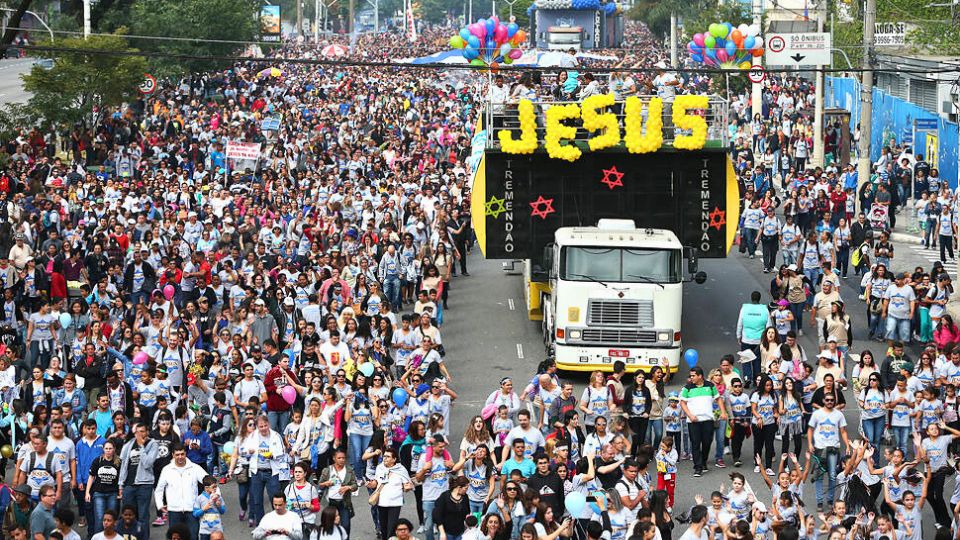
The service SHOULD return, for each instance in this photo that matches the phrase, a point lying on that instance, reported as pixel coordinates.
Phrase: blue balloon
(575, 503)
(498, 60)
(482, 21)
(490, 45)
(465, 34)
(711, 53)
(731, 48)
(512, 29)
(400, 397)
(697, 58)
(729, 27)
(491, 26)
(504, 49)
(692, 357)
(470, 53)
(749, 42)
(720, 43)
(473, 41)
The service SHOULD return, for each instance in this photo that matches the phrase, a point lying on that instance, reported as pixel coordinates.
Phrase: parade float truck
(606, 213)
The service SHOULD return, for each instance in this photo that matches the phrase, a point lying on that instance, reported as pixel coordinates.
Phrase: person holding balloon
(282, 387)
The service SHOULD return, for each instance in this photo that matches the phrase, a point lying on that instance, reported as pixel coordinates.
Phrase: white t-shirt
(826, 427)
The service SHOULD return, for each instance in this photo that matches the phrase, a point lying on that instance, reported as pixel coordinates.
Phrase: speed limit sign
(149, 84)
(756, 74)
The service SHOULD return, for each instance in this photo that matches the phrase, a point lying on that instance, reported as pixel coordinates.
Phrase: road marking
(510, 303)
(520, 351)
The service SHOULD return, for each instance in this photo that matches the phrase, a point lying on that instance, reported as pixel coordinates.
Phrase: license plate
(619, 353)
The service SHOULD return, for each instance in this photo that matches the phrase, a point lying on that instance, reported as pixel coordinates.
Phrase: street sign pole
(818, 160)
(756, 91)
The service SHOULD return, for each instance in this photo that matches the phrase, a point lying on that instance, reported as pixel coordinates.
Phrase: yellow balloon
(6, 451)
(745, 65)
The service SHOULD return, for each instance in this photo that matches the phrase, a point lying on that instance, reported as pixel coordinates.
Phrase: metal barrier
(505, 117)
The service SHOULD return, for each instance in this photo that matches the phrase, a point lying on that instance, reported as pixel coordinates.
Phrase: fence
(893, 118)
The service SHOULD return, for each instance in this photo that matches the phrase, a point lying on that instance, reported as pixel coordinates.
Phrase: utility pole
(86, 19)
(756, 90)
(674, 62)
(316, 21)
(866, 96)
(300, 17)
(818, 100)
(350, 24)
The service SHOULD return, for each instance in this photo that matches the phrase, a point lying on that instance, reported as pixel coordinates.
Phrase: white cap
(827, 355)
(288, 301)
(792, 268)
(759, 506)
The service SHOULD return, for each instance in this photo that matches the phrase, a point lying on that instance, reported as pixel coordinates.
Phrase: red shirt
(274, 380)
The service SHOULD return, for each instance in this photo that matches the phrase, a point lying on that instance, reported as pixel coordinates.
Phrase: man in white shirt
(178, 481)
(280, 524)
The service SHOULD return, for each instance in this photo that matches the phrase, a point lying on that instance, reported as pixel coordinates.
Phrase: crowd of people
(175, 322)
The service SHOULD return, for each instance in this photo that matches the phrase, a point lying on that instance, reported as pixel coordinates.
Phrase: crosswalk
(931, 255)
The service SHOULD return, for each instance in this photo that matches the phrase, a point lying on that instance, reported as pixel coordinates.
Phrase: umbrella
(271, 72)
(333, 50)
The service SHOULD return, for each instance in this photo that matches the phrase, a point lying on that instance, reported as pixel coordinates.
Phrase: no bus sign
(756, 74)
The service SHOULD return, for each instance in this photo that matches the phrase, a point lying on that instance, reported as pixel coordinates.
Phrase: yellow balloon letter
(605, 122)
(636, 140)
(556, 131)
(695, 123)
(528, 132)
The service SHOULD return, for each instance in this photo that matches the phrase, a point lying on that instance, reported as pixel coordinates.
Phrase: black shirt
(134, 457)
(106, 474)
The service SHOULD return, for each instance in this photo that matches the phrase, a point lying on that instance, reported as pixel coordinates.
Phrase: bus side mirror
(700, 278)
(692, 261)
(548, 260)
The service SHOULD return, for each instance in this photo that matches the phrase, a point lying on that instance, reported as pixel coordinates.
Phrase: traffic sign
(796, 50)
(889, 34)
(926, 124)
(756, 74)
(149, 84)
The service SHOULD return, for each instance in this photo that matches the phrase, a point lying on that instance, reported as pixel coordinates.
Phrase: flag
(410, 24)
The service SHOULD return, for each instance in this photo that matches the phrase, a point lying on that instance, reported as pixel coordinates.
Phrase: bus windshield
(619, 265)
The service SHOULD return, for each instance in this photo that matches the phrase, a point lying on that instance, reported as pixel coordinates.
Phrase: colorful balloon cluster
(727, 46)
(489, 42)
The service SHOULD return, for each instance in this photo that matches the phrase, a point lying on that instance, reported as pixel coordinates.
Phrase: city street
(11, 87)
(488, 336)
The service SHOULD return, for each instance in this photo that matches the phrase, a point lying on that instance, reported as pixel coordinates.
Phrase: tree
(202, 28)
(85, 78)
(13, 24)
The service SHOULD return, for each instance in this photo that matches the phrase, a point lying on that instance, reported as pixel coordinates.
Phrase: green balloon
(456, 42)
(723, 30)
(477, 62)
(710, 41)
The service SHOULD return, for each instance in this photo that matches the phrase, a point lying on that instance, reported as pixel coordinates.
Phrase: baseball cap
(288, 301)
(757, 505)
(673, 395)
(833, 339)
(792, 268)
(259, 302)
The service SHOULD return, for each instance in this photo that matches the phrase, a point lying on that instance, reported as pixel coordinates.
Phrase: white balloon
(758, 42)
(743, 28)
(753, 30)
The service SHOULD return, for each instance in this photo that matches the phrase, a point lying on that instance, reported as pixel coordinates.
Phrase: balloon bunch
(727, 46)
(489, 42)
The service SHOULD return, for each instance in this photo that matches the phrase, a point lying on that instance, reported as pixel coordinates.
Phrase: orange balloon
(737, 37)
(520, 36)
(758, 53)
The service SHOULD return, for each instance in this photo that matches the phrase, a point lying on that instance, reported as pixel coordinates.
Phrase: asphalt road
(11, 87)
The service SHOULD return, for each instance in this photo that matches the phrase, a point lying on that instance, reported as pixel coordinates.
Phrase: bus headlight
(575, 334)
(663, 336)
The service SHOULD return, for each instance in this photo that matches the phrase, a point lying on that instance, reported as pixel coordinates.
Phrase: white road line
(520, 351)
(510, 303)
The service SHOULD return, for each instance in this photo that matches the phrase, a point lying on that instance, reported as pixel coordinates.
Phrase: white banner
(243, 150)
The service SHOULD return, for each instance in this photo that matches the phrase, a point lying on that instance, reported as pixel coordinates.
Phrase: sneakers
(737, 463)
(243, 515)
(769, 472)
(720, 464)
(159, 522)
(697, 473)
(251, 524)
(756, 469)
(799, 332)
(420, 530)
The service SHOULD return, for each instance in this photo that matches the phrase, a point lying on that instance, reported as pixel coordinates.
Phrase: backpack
(47, 466)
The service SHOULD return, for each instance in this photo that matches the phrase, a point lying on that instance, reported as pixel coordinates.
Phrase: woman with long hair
(478, 468)
(769, 347)
(474, 435)
(240, 463)
(873, 414)
(862, 370)
(494, 528)
(411, 449)
(596, 401)
(509, 506)
(925, 372)
(546, 524)
(946, 332)
(656, 384)
(103, 485)
(838, 325)
(637, 406)
(790, 406)
(877, 284)
(303, 498)
(661, 514)
(329, 527)
(764, 408)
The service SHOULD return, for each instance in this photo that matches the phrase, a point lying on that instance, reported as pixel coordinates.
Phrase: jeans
(243, 493)
(829, 461)
(391, 288)
(873, 429)
(278, 420)
(701, 436)
(751, 369)
(101, 503)
(749, 236)
(719, 437)
(428, 518)
(843, 260)
(946, 245)
(901, 436)
(876, 321)
(813, 274)
(186, 517)
(477, 507)
(898, 329)
(789, 256)
(38, 357)
(140, 496)
(797, 309)
(655, 432)
(344, 512)
(259, 481)
(358, 443)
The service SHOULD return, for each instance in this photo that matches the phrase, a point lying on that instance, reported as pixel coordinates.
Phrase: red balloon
(757, 53)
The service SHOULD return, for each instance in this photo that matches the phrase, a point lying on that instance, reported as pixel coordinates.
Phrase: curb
(906, 238)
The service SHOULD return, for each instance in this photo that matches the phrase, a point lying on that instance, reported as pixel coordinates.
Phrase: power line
(158, 38)
(440, 66)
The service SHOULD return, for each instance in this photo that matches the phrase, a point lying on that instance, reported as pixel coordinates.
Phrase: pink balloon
(168, 291)
(515, 54)
(698, 39)
(289, 394)
(478, 30)
(140, 358)
(500, 35)
(722, 55)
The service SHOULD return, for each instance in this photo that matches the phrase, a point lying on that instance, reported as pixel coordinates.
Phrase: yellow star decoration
(495, 207)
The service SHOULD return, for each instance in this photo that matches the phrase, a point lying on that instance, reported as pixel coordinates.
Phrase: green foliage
(80, 81)
(519, 11)
(202, 21)
(696, 16)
